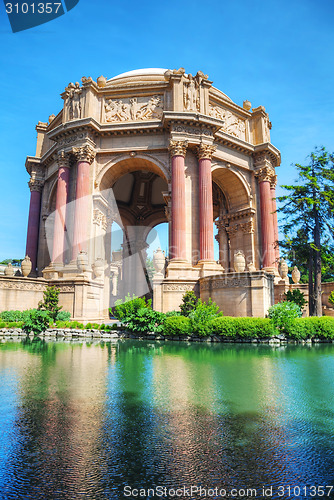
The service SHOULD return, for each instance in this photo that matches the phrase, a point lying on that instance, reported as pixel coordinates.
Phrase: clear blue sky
(276, 53)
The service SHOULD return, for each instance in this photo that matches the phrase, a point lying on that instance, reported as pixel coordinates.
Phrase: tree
(309, 216)
(50, 302)
(189, 303)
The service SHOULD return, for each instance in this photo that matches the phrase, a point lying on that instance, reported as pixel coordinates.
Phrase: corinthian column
(84, 156)
(61, 202)
(36, 187)
(265, 176)
(178, 203)
(205, 153)
(274, 211)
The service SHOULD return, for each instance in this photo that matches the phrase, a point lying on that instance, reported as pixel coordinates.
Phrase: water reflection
(85, 420)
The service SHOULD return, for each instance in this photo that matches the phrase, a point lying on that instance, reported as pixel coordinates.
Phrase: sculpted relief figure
(73, 92)
(119, 111)
(191, 98)
(232, 124)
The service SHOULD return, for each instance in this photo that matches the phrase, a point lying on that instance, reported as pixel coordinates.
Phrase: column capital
(178, 148)
(205, 151)
(273, 182)
(84, 153)
(63, 159)
(266, 174)
(36, 184)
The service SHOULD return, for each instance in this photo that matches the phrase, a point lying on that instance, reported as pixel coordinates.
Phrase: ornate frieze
(84, 153)
(233, 125)
(134, 109)
(178, 148)
(186, 129)
(225, 282)
(205, 151)
(16, 284)
(175, 287)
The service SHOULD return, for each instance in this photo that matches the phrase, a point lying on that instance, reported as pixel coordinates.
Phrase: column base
(209, 268)
(179, 269)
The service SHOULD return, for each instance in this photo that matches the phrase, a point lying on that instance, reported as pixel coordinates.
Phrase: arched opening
(139, 191)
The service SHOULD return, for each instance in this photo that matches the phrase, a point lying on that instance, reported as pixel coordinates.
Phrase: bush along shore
(196, 321)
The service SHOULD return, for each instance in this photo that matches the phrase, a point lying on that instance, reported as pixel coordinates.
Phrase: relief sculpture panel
(134, 109)
(233, 125)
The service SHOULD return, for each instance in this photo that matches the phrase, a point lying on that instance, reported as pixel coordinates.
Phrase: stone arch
(120, 165)
(235, 188)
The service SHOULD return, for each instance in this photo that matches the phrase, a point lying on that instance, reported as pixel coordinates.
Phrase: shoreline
(92, 334)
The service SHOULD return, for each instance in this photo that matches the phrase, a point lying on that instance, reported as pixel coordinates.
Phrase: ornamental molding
(178, 148)
(265, 174)
(36, 184)
(134, 109)
(12, 285)
(63, 159)
(100, 219)
(273, 182)
(242, 214)
(225, 282)
(233, 125)
(186, 129)
(84, 153)
(178, 287)
(205, 151)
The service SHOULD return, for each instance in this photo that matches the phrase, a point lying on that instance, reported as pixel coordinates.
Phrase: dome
(153, 74)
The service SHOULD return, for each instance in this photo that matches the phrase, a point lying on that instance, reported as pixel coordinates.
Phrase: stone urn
(159, 260)
(101, 81)
(98, 267)
(251, 268)
(26, 266)
(295, 275)
(9, 270)
(82, 261)
(283, 269)
(239, 262)
(247, 105)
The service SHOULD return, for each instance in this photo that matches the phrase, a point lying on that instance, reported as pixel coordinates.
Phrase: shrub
(283, 315)
(189, 302)
(50, 302)
(170, 314)
(146, 320)
(127, 309)
(63, 324)
(202, 315)
(242, 327)
(308, 328)
(176, 325)
(296, 296)
(63, 316)
(11, 316)
(37, 321)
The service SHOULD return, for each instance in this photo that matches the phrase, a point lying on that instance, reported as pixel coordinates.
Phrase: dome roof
(138, 74)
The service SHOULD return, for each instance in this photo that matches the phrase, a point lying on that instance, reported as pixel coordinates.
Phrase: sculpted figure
(111, 110)
(190, 95)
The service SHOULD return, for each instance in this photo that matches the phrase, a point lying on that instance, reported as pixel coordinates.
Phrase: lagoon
(111, 420)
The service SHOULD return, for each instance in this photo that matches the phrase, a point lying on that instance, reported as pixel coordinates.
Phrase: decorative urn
(247, 105)
(98, 267)
(239, 262)
(159, 260)
(283, 269)
(101, 81)
(295, 275)
(251, 268)
(9, 270)
(82, 261)
(26, 266)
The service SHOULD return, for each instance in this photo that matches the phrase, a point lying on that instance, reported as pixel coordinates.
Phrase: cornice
(270, 150)
(191, 119)
(234, 143)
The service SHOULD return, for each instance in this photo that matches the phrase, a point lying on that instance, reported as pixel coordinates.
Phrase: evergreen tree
(309, 217)
(50, 302)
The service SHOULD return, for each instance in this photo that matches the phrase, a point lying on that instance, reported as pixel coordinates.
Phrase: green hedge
(242, 327)
(176, 325)
(308, 328)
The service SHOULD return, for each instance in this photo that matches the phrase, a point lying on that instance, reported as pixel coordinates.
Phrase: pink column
(61, 202)
(205, 203)
(178, 204)
(85, 156)
(267, 225)
(33, 222)
(275, 223)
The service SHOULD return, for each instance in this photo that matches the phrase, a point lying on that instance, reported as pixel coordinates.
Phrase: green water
(100, 421)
